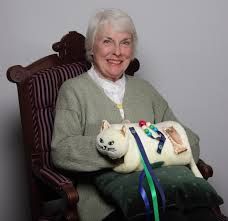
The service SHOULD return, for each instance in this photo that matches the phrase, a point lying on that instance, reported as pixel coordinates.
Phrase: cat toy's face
(112, 142)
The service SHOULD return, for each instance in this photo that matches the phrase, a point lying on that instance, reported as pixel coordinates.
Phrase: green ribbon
(152, 191)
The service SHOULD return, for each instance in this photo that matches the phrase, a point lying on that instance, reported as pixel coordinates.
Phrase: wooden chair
(38, 86)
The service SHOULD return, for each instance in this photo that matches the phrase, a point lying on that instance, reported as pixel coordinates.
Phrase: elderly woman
(104, 92)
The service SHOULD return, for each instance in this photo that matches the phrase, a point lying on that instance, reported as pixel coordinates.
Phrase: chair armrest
(205, 169)
(59, 183)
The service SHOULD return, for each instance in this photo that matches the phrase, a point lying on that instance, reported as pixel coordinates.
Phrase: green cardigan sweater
(81, 106)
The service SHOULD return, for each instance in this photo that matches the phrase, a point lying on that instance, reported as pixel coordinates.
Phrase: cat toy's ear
(123, 130)
(105, 125)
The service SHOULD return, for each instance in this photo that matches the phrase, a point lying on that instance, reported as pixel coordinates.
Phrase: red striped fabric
(43, 90)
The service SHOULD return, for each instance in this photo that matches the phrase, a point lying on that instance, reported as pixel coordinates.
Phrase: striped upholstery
(43, 89)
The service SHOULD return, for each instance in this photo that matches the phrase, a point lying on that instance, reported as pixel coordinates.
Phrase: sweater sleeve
(70, 149)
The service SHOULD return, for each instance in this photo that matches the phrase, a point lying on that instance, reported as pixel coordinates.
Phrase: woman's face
(112, 52)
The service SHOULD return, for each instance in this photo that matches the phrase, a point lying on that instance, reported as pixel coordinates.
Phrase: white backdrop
(183, 51)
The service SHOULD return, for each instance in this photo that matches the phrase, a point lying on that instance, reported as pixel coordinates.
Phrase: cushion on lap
(182, 190)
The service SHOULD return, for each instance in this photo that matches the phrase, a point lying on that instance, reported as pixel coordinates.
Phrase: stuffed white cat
(116, 141)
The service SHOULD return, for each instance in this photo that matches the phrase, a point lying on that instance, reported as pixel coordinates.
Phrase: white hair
(120, 22)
